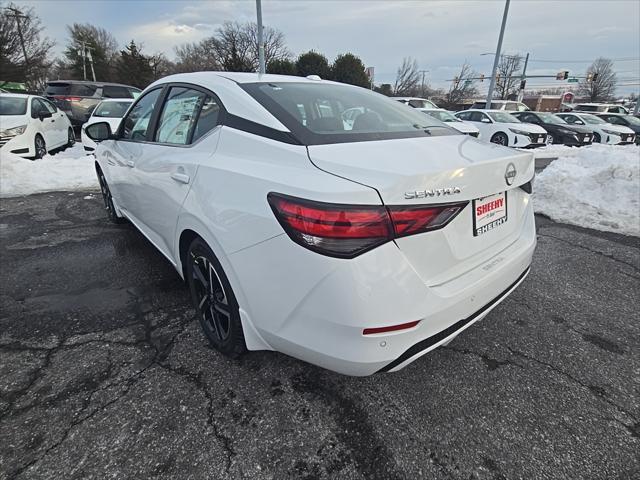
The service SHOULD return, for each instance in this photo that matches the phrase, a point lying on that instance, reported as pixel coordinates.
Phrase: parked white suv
(510, 105)
(600, 108)
(357, 247)
(31, 126)
(415, 102)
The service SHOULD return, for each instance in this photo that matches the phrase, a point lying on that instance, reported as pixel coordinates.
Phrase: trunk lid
(435, 170)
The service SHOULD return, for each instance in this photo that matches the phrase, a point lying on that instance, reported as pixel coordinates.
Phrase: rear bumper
(315, 308)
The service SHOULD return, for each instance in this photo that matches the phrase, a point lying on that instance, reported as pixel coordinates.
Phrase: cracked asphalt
(105, 374)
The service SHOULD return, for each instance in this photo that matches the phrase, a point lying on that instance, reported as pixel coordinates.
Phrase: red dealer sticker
(489, 213)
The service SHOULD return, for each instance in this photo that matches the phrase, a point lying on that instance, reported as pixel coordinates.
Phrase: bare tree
(275, 47)
(197, 57)
(604, 85)
(407, 78)
(509, 79)
(462, 88)
(160, 65)
(14, 67)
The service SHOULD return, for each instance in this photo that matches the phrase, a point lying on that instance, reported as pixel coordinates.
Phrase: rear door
(46, 126)
(59, 123)
(167, 166)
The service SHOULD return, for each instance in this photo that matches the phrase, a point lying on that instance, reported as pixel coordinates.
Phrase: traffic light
(482, 77)
(523, 83)
(562, 75)
(594, 77)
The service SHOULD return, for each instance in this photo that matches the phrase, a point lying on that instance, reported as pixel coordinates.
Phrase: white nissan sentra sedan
(355, 246)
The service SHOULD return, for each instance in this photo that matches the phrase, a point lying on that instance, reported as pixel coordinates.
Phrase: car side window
(37, 106)
(49, 106)
(136, 123)
(179, 114)
(614, 120)
(529, 118)
(208, 119)
(114, 91)
(464, 116)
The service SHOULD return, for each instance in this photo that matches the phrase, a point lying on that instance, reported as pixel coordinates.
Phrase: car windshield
(503, 117)
(111, 109)
(321, 113)
(13, 106)
(551, 118)
(592, 119)
(442, 115)
(632, 120)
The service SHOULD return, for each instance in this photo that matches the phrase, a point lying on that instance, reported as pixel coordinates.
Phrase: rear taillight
(346, 231)
(68, 99)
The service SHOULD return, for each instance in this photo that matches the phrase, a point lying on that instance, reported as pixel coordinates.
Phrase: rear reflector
(345, 231)
(392, 328)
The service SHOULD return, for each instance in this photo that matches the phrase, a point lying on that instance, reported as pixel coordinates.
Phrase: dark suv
(78, 98)
(558, 131)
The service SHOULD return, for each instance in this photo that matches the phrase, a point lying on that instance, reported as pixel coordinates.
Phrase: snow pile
(70, 169)
(595, 187)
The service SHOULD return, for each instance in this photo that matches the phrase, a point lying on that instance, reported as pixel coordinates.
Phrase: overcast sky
(439, 34)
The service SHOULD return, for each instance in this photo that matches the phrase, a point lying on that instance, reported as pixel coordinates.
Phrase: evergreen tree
(282, 67)
(348, 68)
(313, 63)
(133, 67)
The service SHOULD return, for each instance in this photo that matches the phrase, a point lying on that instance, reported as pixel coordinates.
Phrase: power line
(624, 59)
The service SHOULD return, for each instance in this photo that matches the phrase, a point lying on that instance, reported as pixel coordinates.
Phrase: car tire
(213, 298)
(40, 147)
(71, 138)
(596, 138)
(107, 198)
(500, 139)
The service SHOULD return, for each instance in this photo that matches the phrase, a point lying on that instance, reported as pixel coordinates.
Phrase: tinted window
(421, 103)
(208, 119)
(324, 104)
(111, 91)
(588, 108)
(13, 106)
(478, 116)
(179, 114)
(37, 106)
(111, 109)
(503, 117)
(83, 90)
(136, 123)
(615, 120)
(57, 89)
(49, 106)
(528, 118)
(464, 115)
(135, 92)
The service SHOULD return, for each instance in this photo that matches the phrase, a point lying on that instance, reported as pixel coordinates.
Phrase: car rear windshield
(64, 88)
(13, 106)
(551, 118)
(589, 108)
(503, 117)
(111, 109)
(331, 113)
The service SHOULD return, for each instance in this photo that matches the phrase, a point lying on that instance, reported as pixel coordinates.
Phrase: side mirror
(99, 131)
(42, 115)
(485, 120)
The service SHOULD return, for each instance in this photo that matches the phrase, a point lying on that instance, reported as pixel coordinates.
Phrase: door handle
(180, 177)
(130, 163)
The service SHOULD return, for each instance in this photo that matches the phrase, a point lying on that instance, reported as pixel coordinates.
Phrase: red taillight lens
(346, 231)
(68, 99)
(391, 328)
(337, 230)
(421, 218)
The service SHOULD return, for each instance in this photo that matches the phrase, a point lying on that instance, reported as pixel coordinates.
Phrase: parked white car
(109, 110)
(415, 102)
(355, 249)
(603, 132)
(499, 126)
(31, 126)
(600, 108)
(451, 120)
(510, 105)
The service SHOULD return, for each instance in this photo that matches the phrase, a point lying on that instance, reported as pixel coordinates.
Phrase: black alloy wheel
(500, 139)
(40, 147)
(215, 303)
(108, 200)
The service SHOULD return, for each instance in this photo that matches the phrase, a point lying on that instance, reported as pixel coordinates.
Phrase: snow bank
(67, 170)
(595, 187)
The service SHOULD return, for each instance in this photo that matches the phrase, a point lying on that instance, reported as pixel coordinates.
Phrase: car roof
(226, 85)
(16, 95)
(107, 100)
(493, 110)
(89, 82)
(411, 98)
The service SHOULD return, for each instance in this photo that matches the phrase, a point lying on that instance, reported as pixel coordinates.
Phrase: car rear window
(13, 106)
(321, 113)
(57, 89)
(83, 90)
(115, 91)
(111, 109)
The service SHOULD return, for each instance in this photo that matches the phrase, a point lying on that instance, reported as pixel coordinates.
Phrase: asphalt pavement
(104, 372)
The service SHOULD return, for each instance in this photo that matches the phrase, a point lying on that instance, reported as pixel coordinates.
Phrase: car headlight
(519, 132)
(611, 132)
(13, 132)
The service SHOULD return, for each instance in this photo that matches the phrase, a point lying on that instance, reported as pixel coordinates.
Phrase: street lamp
(492, 84)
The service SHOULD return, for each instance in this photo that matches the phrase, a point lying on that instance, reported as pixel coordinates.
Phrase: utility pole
(496, 59)
(423, 72)
(523, 77)
(84, 62)
(262, 68)
(93, 72)
(17, 14)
